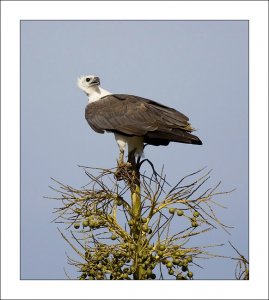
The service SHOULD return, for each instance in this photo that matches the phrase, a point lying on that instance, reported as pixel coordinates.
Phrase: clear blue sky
(197, 67)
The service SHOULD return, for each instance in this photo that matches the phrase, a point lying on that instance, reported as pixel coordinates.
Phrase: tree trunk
(136, 212)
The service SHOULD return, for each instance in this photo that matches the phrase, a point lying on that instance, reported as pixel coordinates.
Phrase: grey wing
(133, 115)
(113, 114)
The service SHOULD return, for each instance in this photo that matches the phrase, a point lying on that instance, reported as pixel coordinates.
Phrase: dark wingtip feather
(178, 136)
(197, 141)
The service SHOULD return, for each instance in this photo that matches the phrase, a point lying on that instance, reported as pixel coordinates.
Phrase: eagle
(135, 121)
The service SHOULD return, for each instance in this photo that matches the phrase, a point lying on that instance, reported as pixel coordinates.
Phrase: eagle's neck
(95, 93)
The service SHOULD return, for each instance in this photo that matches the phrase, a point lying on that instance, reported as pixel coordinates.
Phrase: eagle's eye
(88, 79)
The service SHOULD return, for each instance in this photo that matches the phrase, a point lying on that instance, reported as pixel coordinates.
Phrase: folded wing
(133, 115)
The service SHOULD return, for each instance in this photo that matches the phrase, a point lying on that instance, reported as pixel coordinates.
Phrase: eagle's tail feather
(163, 138)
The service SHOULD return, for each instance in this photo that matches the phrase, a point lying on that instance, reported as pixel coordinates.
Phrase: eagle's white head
(89, 84)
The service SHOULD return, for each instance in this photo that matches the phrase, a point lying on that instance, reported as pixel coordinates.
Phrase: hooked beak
(94, 81)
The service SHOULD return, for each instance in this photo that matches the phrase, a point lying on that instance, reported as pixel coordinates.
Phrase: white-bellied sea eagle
(134, 120)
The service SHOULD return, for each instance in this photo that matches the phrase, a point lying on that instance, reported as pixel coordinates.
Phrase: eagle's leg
(121, 157)
(131, 157)
(123, 167)
(122, 145)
